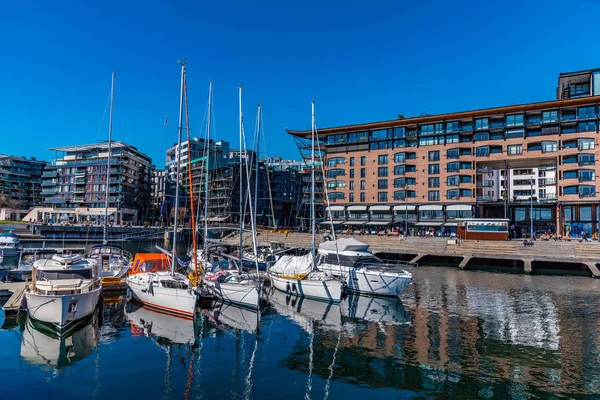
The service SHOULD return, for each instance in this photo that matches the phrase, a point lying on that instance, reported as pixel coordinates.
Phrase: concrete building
(20, 181)
(195, 150)
(74, 185)
(434, 169)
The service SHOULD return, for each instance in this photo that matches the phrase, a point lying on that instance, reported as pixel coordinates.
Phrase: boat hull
(324, 290)
(235, 293)
(62, 311)
(371, 282)
(146, 291)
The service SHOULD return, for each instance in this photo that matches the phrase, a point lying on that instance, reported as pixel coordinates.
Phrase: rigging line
(103, 116)
(310, 365)
(337, 346)
(250, 369)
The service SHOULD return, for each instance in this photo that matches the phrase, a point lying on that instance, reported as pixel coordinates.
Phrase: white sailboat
(65, 288)
(362, 271)
(234, 286)
(113, 260)
(299, 275)
(150, 283)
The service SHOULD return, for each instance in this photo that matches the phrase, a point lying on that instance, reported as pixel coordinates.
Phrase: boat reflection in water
(162, 328)
(225, 315)
(41, 345)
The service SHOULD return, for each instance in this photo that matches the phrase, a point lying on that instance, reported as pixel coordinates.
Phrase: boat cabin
(150, 262)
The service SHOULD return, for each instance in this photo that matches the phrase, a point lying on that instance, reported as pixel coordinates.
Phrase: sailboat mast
(258, 116)
(110, 128)
(241, 183)
(207, 168)
(178, 169)
(312, 185)
(190, 180)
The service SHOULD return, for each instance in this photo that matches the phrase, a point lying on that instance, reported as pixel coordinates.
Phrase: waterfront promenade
(575, 256)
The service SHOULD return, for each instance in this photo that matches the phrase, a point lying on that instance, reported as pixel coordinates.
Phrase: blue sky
(362, 61)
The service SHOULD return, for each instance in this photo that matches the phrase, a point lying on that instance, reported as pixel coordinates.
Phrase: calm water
(456, 334)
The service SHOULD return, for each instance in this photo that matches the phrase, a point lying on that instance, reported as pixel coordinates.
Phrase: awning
(357, 208)
(430, 207)
(355, 222)
(451, 224)
(429, 224)
(378, 223)
(334, 222)
(379, 208)
(404, 207)
(96, 213)
(217, 219)
(458, 207)
(335, 208)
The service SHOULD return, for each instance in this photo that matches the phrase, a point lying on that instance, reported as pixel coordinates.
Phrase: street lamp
(531, 209)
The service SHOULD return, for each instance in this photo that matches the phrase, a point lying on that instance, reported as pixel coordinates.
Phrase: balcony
(482, 184)
(486, 198)
(50, 174)
(587, 194)
(547, 182)
(550, 197)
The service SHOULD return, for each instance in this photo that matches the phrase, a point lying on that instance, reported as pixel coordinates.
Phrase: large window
(434, 182)
(482, 123)
(404, 194)
(382, 159)
(433, 195)
(452, 180)
(362, 197)
(335, 184)
(579, 90)
(363, 160)
(548, 147)
(382, 197)
(452, 127)
(426, 129)
(334, 173)
(514, 149)
(363, 185)
(352, 161)
(333, 196)
(585, 144)
(358, 137)
(586, 175)
(586, 159)
(585, 213)
(587, 126)
(351, 174)
(482, 136)
(332, 162)
(514, 133)
(402, 182)
(431, 214)
(351, 185)
(452, 194)
(550, 116)
(434, 169)
(586, 112)
(399, 157)
(382, 171)
(363, 172)
(431, 140)
(382, 184)
(336, 139)
(381, 134)
(483, 151)
(587, 191)
(452, 139)
(351, 197)
(453, 153)
(453, 166)
(434, 155)
(514, 120)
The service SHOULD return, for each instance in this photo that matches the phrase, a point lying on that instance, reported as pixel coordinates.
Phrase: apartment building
(21, 181)
(74, 185)
(431, 170)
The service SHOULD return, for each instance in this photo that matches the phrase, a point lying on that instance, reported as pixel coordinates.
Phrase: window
(382, 159)
(514, 133)
(399, 157)
(587, 191)
(452, 139)
(514, 120)
(584, 144)
(363, 172)
(363, 185)
(453, 153)
(480, 137)
(452, 127)
(427, 129)
(570, 144)
(569, 174)
(400, 170)
(579, 90)
(431, 140)
(336, 139)
(434, 182)
(333, 196)
(332, 162)
(382, 171)
(586, 159)
(433, 195)
(351, 185)
(534, 119)
(398, 133)
(333, 173)
(382, 197)
(352, 161)
(452, 194)
(381, 134)
(362, 197)
(402, 182)
(452, 180)
(549, 116)
(585, 213)
(568, 115)
(466, 165)
(434, 155)
(589, 126)
(434, 169)
(569, 160)
(382, 184)
(482, 123)
(452, 166)
(514, 149)
(548, 147)
(335, 184)
(483, 151)
(586, 175)
(459, 214)
(363, 161)
(399, 143)
(382, 145)
(351, 174)
(351, 197)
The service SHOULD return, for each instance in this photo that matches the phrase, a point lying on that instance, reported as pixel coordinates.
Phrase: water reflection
(229, 316)
(162, 328)
(40, 345)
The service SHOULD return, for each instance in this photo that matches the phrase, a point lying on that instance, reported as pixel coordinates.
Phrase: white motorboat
(152, 284)
(64, 289)
(113, 260)
(295, 275)
(153, 324)
(10, 244)
(362, 271)
(40, 346)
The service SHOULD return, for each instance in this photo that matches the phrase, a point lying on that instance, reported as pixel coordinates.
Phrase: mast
(206, 169)
(241, 182)
(189, 164)
(174, 254)
(256, 162)
(110, 121)
(312, 185)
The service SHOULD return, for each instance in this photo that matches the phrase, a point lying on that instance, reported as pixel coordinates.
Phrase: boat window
(172, 284)
(69, 274)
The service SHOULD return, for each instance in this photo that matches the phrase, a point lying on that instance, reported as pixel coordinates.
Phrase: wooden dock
(12, 307)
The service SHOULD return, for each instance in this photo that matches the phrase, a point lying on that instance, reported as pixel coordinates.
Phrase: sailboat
(152, 284)
(113, 260)
(235, 286)
(298, 275)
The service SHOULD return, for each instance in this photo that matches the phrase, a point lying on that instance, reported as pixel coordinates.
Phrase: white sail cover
(293, 265)
(344, 244)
